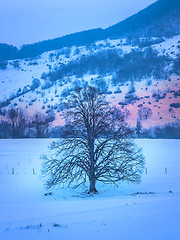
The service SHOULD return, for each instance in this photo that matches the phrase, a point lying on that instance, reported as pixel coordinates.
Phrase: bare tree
(97, 145)
(41, 123)
(144, 113)
(12, 116)
(138, 127)
(5, 129)
(18, 120)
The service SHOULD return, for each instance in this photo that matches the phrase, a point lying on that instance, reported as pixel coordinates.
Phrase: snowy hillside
(36, 85)
(149, 210)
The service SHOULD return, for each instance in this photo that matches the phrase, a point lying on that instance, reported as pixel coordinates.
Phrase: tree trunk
(92, 180)
(92, 188)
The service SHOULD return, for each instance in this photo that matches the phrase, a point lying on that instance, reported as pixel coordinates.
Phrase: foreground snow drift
(150, 210)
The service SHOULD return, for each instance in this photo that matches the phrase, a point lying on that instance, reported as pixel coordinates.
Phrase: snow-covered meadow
(149, 210)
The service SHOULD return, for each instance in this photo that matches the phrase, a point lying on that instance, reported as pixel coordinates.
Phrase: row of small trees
(166, 131)
(20, 125)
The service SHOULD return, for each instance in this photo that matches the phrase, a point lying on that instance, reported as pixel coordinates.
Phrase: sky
(29, 21)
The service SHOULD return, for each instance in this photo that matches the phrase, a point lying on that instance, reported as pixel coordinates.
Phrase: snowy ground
(150, 210)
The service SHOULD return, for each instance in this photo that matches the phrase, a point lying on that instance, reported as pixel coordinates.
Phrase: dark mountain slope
(7, 52)
(159, 19)
(77, 39)
(162, 17)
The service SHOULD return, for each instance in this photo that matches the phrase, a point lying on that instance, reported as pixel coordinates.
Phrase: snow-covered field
(149, 210)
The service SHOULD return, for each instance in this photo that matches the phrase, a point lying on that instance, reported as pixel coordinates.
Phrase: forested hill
(159, 19)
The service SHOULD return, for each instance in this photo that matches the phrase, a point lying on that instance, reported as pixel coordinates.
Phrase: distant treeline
(20, 125)
(167, 131)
